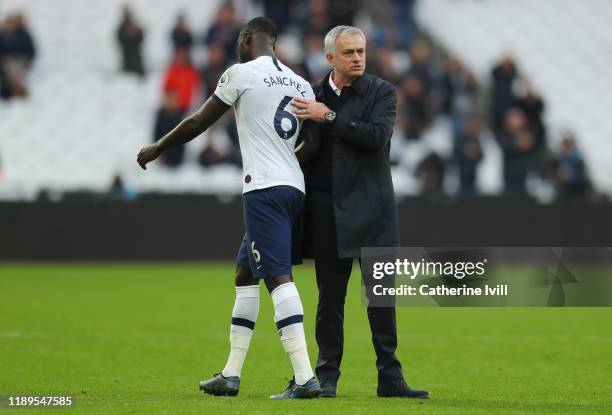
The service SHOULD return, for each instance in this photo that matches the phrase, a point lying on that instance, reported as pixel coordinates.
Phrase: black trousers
(332, 280)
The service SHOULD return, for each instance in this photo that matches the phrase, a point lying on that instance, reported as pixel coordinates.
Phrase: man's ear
(247, 38)
(330, 58)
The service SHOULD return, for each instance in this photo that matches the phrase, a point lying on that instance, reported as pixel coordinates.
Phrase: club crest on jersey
(223, 80)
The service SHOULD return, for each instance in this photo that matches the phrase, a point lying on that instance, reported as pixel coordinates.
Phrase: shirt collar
(360, 85)
(332, 85)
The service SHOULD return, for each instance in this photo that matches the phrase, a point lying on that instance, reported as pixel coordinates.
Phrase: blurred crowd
(516, 120)
(431, 84)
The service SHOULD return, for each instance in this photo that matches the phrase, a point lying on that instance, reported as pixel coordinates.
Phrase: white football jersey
(260, 91)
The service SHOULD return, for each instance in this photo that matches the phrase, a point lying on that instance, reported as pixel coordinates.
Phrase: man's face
(350, 57)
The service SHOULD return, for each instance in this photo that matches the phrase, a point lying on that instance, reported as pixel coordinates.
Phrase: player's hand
(148, 154)
(306, 109)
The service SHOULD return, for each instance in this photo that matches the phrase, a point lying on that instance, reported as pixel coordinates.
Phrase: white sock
(244, 317)
(289, 317)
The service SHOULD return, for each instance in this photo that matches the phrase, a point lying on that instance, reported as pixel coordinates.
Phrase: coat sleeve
(373, 134)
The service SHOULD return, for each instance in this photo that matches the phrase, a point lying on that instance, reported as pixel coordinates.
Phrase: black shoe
(328, 387)
(309, 390)
(219, 385)
(399, 389)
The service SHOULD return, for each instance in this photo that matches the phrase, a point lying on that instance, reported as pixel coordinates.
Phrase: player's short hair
(336, 32)
(262, 25)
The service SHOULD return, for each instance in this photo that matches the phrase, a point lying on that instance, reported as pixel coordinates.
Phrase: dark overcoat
(363, 196)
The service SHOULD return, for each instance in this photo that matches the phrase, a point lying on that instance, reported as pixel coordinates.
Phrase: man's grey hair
(336, 32)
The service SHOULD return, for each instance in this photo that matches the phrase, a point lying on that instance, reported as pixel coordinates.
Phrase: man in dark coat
(131, 38)
(351, 201)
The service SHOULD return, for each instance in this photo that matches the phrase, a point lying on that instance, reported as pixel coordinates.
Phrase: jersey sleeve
(310, 93)
(232, 84)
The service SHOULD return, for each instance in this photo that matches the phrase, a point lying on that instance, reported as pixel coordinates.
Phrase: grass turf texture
(137, 339)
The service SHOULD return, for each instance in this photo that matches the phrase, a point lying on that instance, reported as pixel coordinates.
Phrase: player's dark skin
(250, 46)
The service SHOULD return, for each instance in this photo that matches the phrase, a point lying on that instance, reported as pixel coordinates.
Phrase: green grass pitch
(136, 339)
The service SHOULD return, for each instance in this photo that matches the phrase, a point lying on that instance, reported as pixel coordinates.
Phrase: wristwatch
(330, 116)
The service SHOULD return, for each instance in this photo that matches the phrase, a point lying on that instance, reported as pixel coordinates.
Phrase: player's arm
(309, 141)
(187, 130)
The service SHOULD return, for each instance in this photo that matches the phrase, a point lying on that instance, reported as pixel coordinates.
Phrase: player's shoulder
(240, 69)
(237, 73)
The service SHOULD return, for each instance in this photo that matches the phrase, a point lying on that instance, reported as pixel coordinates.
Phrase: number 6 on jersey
(281, 115)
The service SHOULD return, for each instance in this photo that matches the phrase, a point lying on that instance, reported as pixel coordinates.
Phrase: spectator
(416, 90)
(404, 16)
(415, 106)
(182, 80)
(181, 34)
(458, 93)
(16, 42)
(168, 117)
(383, 64)
(119, 192)
(17, 53)
(504, 75)
(533, 107)
(214, 68)
(430, 173)
(5, 91)
(224, 30)
(279, 12)
(317, 20)
(315, 63)
(342, 12)
(518, 144)
(571, 173)
(420, 64)
(468, 154)
(220, 150)
(384, 31)
(131, 37)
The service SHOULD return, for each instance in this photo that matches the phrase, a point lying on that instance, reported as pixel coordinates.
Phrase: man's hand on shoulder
(148, 154)
(306, 109)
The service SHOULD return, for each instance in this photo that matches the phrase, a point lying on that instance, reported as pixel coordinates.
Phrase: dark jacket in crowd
(468, 154)
(165, 121)
(533, 107)
(503, 97)
(131, 38)
(353, 164)
(17, 44)
(181, 38)
(5, 91)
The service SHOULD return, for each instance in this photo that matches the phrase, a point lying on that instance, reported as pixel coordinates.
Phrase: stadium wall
(205, 228)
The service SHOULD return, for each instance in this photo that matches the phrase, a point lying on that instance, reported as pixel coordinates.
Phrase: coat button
(247, 179)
